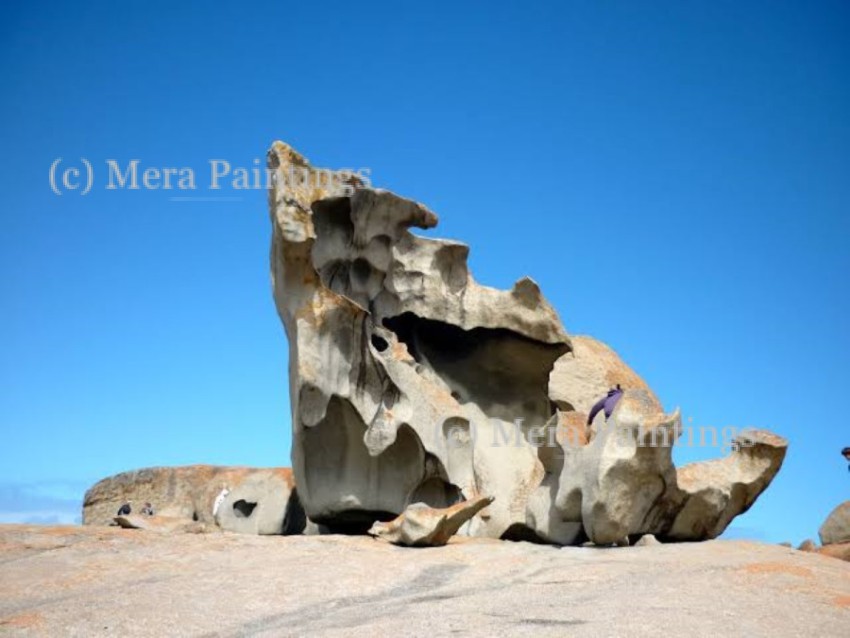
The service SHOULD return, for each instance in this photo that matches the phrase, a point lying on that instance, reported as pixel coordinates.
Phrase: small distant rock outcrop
(236, 499)
(836, 527)
(412, 383)
(423, 526)
(807, 545)
(834, 535)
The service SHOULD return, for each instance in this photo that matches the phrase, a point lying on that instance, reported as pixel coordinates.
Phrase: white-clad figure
(220, 499)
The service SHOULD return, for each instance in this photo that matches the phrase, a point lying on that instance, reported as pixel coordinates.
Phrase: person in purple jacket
(608, 402)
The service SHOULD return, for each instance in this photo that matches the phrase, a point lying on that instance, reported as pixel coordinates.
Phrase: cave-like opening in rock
(436, 492)
(504, 373)
(356, 522)
(380, 343)
(295, 518)
(519, 532)
(243, 508)
(350, 489)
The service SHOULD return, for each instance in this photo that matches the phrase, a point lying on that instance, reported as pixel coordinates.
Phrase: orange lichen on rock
(778, 568)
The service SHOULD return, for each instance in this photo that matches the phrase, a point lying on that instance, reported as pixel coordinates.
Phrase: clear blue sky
(674, 175)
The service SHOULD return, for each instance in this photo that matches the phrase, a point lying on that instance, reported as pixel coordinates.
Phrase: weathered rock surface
(836, 527)
(714, 492)
(410, 382)
(405, 373)
(423, 526)
(99, 581)
(255, 500)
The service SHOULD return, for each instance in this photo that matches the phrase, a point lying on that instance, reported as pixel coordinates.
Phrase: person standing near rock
(147, 510)
(608, 403)
(220, 499)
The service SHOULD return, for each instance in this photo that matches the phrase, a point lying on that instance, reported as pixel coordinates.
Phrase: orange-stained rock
(582, 376)
(714, 492)
(836, 550)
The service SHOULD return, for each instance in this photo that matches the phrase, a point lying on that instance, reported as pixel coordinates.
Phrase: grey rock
(411, 382)
(618, 485)
(260, 504)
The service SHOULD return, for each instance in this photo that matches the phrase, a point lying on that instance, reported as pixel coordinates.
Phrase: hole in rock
(380, 343)
(331, 215)
(435, 492)
(295, 519)
(360, 270)
(195, 517)
(345, 259)
(350, 489)
(243, 508)
(355, 522)
(504, 373)
(520, 532)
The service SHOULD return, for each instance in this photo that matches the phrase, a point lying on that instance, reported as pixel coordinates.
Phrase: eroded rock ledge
(405, 374)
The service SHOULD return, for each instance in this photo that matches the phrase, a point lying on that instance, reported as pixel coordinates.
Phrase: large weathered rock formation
(410, 382)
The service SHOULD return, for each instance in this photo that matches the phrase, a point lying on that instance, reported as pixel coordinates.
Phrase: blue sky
(674, 175)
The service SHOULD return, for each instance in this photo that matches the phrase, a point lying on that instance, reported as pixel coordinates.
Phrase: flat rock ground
(75, 581)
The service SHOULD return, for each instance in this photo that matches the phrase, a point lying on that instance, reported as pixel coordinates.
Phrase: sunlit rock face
(412, 383)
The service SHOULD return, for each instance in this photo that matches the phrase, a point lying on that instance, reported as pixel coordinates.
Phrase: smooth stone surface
(89, 581)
